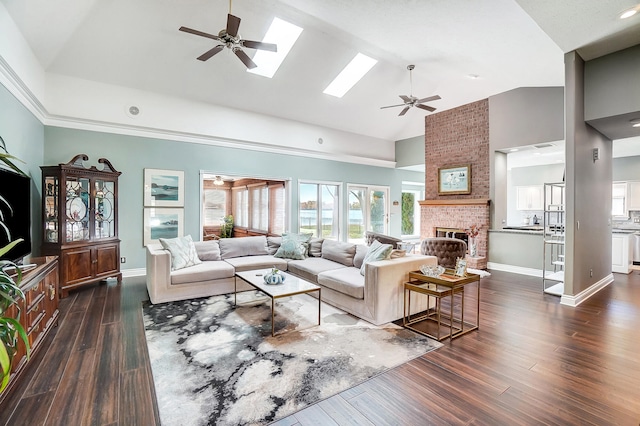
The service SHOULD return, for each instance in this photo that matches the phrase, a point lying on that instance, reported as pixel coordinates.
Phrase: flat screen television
(15, 214)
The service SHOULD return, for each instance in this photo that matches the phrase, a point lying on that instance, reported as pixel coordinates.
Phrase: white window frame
(367, 207)
(338, 199)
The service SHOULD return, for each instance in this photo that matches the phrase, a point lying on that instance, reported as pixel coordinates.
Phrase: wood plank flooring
(533, 361)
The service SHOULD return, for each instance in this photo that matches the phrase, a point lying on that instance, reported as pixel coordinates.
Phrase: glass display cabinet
(80, 217)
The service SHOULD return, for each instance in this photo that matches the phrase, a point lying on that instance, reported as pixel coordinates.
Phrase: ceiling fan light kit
(411, 101)
(230, 39)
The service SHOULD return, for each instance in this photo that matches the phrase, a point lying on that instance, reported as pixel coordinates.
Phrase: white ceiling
(136, 44)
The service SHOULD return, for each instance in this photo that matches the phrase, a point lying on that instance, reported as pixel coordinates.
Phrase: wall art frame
(163, 188)
(454, 180)
(161, 222)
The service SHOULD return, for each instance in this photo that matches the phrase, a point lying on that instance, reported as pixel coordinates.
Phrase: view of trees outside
(319, 221)
(408, 213)
(378, 211)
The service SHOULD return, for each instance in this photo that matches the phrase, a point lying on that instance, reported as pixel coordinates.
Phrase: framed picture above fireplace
(454, 180)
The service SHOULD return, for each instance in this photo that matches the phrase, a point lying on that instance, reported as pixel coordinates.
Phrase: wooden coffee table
(291, 286)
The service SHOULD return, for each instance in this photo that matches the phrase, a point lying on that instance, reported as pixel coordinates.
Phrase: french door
(368, 211)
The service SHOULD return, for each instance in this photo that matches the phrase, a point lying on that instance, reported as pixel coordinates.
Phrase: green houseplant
(10, 328)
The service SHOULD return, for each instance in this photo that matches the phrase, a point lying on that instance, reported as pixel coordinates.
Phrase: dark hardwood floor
(533, 361)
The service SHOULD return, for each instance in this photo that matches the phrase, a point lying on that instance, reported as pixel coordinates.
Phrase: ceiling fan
(411, 101)
(230, 39)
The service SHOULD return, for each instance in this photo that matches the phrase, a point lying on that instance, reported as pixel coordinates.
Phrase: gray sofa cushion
(208, 250)
(257, 262)
(346, 280)
(339, 251)
(361, 252)
(311, 267)
(204, 271)
(244, 246)
(273, 243)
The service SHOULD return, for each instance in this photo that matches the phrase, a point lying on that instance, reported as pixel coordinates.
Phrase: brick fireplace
(456, 137)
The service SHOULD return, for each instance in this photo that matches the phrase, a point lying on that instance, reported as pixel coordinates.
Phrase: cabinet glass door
(51, 190)
(105, 221)
(77, 209)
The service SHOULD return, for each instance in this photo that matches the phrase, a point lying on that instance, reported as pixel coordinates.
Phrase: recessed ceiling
(137, 45)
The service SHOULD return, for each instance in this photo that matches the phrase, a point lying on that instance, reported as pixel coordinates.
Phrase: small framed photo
(162, 223)
(461, 267)
(454, 180)
(163, 188)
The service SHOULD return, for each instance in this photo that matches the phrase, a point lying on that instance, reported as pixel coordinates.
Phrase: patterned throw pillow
(293, 246)
(183, 252)
(377, 251)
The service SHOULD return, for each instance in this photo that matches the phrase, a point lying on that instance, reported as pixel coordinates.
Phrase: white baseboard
(586, 293)
(515, 269)
(135, 272)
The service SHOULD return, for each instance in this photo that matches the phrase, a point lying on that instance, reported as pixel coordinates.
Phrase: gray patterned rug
(216, 364)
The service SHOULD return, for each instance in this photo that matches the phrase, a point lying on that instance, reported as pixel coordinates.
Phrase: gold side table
(441, 287)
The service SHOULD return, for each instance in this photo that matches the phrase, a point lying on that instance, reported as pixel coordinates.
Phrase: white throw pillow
(183, 252)
(377, 251)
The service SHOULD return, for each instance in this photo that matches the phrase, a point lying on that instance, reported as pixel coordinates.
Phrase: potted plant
(10, 327)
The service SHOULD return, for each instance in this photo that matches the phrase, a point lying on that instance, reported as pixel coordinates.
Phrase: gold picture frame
(461, 267)
(454, 180)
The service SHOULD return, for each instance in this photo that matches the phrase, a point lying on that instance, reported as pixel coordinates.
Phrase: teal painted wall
(23, 135)
(131, 155)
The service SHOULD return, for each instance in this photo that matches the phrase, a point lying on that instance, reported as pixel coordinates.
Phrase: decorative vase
(274, 277)
(473, 247)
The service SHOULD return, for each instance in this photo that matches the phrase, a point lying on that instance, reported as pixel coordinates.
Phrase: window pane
(408, 213)
(215, 203)
(357, 204)
(241, 208)
(308, 221)
(278, 210)
(330, 219)
(377, 212)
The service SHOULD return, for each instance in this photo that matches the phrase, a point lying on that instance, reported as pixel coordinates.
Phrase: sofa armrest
(384, 285)
(158, 271)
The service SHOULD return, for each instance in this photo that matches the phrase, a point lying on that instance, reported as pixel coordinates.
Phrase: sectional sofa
(376, 296)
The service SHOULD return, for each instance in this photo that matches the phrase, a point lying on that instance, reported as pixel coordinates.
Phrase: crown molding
(15, 85)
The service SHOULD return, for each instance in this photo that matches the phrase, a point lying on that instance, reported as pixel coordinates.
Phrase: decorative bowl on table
(432, 270)
(274, 277)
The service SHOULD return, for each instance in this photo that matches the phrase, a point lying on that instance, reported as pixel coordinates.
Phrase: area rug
(214, 363)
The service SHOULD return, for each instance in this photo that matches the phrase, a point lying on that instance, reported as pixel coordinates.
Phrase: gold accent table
(290, 287)
(445, 285)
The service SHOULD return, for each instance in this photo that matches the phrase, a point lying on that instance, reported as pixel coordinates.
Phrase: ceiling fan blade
(405, 98)
(260, 45)
(209, 53)
(427, 107)
(430, 98)
(233, 23)
(244, 58)
(404, 111)
(199, 33)
(392, 106)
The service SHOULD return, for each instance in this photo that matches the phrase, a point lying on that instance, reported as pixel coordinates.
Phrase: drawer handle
(52, 292)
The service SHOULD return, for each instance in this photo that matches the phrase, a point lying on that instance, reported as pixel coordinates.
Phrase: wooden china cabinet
(80, 219)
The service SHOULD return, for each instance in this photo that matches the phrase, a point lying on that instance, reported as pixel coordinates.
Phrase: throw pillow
(315, 247)
(273, 243)
(244, 246)
(377, 251)
(396, 253)
(183, 252)
(208, 250)
(293, 246)
(339, 251)
(361, 252)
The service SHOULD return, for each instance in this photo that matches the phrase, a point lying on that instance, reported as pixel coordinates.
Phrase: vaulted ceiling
(505, 43)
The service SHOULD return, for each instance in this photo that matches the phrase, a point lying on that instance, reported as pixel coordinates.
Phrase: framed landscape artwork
(162, 223)
(454, 180)
(163, 188)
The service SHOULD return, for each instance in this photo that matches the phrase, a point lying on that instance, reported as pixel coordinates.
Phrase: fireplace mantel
(456, 202)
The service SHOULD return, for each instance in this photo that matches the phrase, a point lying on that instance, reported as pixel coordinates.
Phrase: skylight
(350, 75)
(283, 34)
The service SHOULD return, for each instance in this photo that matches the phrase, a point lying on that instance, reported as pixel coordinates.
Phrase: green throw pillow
(293, 246)
(377, 251)
(183, 252)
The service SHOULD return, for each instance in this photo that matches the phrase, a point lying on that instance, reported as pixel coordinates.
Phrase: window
(319, 209)
(241, 207)
(214, 206)
(277, 215)
(368, 211)
(410, 226)
(259, 208)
